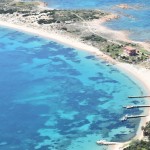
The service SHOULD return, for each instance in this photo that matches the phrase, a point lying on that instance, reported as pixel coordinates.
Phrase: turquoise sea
(53, 97)
(137, 21)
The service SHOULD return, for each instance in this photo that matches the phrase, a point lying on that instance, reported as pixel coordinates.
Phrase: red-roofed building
(131, 51)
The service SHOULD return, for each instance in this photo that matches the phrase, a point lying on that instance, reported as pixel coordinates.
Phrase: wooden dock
(126, 117)
(135, 106)
(136, 116)
(138, 96)
(104, 142)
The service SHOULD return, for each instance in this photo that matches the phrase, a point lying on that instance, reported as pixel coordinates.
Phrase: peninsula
(84, 30)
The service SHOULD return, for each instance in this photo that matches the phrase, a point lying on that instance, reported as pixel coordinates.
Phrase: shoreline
(140, 74)
(62, 39)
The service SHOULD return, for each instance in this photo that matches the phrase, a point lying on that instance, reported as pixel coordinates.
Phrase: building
(131, 51)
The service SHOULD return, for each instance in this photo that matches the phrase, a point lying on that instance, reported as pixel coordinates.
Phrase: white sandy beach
(142, 76)
(63, 39)
(139, 73)
(114, 35)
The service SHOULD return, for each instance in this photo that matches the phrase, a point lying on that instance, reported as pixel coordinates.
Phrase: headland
(85, 30)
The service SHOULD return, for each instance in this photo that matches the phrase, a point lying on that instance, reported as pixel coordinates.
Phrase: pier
(135, 106)
(126, 117)
(138, 96)
(104, 142)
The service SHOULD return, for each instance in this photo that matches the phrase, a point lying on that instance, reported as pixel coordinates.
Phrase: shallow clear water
(135, 21)
(53, 97)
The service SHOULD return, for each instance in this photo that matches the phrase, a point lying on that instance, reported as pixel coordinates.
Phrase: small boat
(128, 107)
(100, 141)
(124, 118)
(104, 142)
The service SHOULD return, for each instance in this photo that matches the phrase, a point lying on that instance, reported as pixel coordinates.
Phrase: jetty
(135, 106)
(104, 142)
(138, 96)
(126, 117)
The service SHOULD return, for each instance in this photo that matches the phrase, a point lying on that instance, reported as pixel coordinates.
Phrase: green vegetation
(109, 48)
(143, 144)
(5, 1)
(140, 57)
(139, 145)
(95, 38)
(18, 5)
(75, 24)
(114, 50)
(46, 21)
(117, 52)
(144, 51)
(146, 130)
(24, 4)
(9, 11)
(48, 12)
(73, 15)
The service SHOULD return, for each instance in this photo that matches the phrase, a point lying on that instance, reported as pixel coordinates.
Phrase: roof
(129, 48)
